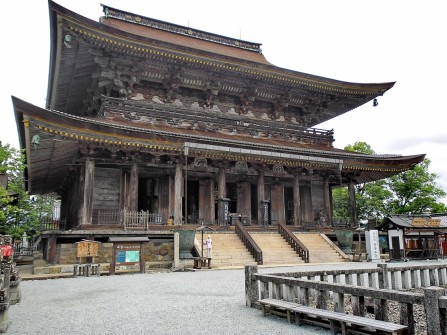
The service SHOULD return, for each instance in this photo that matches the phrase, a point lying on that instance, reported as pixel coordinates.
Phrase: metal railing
(249, 242)
(294, 242)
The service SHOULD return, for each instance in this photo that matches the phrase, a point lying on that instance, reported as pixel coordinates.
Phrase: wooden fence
(380, 286)
(141, 220)
(130, 220)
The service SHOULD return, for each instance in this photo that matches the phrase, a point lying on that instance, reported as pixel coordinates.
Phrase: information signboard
(87, 249)
(127, 254)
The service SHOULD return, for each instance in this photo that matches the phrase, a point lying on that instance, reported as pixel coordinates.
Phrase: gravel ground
(211, 301)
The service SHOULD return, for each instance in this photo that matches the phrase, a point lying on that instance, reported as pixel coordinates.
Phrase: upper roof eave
(371, 89)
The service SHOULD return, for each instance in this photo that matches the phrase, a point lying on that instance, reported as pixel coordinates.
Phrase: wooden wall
(106, 192)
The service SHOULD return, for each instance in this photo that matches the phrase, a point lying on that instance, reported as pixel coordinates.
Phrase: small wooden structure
(128, 251)
(416, 236)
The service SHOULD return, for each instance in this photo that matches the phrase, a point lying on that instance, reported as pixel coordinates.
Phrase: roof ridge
(118, 14)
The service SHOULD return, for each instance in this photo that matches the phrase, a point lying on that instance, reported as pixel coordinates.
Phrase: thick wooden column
(178, 184)
(206, 201)
(244, 198)
(133, 188)
(171, 195)
(163, 197)
(277, 204)
(352, 204)
(327, 201)
(296, 201)
(261, 197)
(222, 210)
(222, 183)
(87, 177)
(306, 202)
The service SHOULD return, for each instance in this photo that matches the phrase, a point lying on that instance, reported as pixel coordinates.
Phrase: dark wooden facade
(144, 115)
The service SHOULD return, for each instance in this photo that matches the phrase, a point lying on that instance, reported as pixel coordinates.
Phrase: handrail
(249, 242)
(295, 243)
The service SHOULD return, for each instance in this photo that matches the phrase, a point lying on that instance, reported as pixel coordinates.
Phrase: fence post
(251, 285)
(431, 304)
(383, 276)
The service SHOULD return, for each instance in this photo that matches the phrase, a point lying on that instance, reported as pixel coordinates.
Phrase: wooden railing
(249, 242)
(294, 242)
(377, 288)
(138, 220)
(130, 220)
(49, 223)
(110, 217)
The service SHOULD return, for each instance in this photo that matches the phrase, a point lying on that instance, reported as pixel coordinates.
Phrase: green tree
(412, 191)
(19, 213)
(371, 198)
(415, 191)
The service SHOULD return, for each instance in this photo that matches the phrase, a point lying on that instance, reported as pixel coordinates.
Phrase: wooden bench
(273, 305)
(200, 262)
(336, 321)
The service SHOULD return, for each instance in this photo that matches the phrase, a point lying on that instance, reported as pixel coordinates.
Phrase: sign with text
(127, 254)
(372, 245)
(425, 222)
(87, 249)
(419, 222)
(433, 222)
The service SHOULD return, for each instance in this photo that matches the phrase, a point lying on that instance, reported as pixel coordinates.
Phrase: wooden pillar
(277, 204)
(125, 191)
(171, 195)
(133, 188)
(164, 197)
(327, 201)
(87, 177)
(244, 198)
(178, 183)
(306, 201)
(222, 184)
(261, 197)
(296, 200)
(206, 201)
(52, 249)
(222, 210)
(352, 205)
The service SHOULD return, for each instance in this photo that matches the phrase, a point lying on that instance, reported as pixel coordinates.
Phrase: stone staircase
(320, 250)
(228, 250)
(275, 250)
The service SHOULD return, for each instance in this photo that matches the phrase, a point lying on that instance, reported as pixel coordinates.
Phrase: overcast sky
(369, 41)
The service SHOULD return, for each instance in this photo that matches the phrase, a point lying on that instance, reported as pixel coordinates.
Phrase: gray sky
(365, 41)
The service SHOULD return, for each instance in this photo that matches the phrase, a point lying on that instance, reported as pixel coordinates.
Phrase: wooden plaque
(419, 222)
(88, 249)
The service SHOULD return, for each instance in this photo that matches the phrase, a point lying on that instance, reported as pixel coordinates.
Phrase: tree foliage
(415, 191)
(20, 212)
(412, 191)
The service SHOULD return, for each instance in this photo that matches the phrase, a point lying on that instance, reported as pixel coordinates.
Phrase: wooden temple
(149, 121)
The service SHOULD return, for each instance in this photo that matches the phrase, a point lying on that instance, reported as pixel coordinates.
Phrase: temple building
(149, 121)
